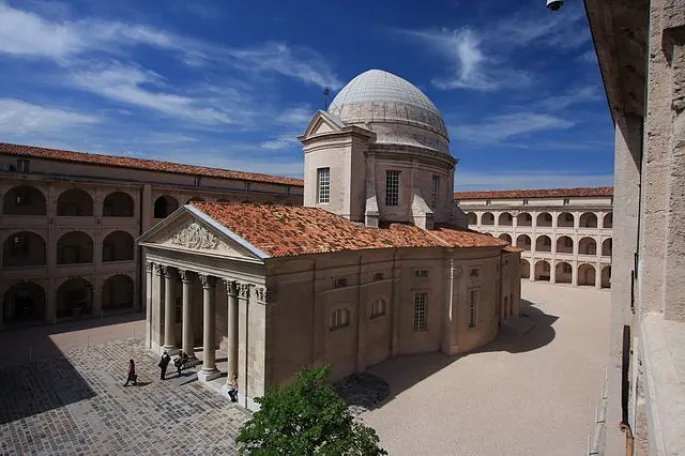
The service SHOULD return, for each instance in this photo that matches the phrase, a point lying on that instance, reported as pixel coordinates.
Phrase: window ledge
(662, 348)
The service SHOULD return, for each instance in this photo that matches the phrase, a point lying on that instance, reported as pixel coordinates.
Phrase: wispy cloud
(522, 180)
(494, 129)
(18, 118)
(298, 117)
(572, 97)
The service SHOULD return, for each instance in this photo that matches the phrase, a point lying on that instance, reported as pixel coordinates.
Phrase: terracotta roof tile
(139, 163)
(539, 193)
(281, 230)
(512, 249)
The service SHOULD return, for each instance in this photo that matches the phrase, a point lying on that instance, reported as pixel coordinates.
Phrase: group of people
(180, 363)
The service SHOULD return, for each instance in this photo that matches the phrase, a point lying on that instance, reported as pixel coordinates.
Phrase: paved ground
(529, 395)
(76, 405)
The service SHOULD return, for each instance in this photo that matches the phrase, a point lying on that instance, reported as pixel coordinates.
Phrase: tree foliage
(306, 418)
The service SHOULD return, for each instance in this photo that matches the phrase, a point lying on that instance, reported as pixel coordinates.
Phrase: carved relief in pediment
(195, 236)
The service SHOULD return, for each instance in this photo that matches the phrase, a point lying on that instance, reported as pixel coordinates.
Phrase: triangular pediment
(190, 230)
(323, 123)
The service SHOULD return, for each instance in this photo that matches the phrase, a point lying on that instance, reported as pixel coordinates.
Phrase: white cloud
(588, 57)
(572, 97)
(19, 118)
(299, 117)
(495, 129)
(507, 180)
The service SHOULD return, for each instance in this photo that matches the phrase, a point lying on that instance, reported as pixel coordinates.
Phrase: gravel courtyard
(529, 395)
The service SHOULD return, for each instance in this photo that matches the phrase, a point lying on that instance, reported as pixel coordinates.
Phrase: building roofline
(537, 193)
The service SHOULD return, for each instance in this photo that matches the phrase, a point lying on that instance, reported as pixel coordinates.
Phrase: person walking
(132, 377)
(163, 364)
(180, 362)
(233, 389)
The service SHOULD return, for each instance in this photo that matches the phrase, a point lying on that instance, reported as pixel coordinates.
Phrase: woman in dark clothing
(132, 377)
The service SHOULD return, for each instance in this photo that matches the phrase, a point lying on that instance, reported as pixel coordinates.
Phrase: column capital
(244, 290)
(159, 269)
(207, 280)
(265, 295)
(168, 272)
(185, 275)
(231, 287)
(149, 266)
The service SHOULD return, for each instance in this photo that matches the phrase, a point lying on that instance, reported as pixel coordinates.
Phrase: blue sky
(231, 84)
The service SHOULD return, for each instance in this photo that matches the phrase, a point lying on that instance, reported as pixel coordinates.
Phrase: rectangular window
(435, 191)
(525, 202)
(23, 166)
(474, 296)
(420, 311)
(323, 188)
(197, 181)
(566, 201)
(487, 202)
(474, 273)
(392, 188)
(421, 273)
(339, 283)
(377, 276)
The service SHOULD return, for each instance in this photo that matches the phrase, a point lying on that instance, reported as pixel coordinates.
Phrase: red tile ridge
(142, 163)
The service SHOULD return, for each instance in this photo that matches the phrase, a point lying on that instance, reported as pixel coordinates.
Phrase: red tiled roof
(540, 193)
(513, 249)
(281, 230)
(140, 163)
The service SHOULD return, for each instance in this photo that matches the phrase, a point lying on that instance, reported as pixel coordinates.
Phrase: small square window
(23, 165)
(487, 202)
(197, 181)
(421, 273)
(474, 273)
(525, 201)
(377, 276)
(566, 201)
(340, 283)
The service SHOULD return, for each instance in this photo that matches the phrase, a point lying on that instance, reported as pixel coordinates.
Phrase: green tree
(306, 418)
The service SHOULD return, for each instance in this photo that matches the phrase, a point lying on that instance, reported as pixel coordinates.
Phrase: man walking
(163, 364)
(132, 377)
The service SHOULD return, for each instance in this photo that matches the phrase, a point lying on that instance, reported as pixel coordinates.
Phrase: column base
(208, 375)
(192, 361)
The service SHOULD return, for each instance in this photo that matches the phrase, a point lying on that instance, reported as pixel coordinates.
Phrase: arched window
(118, 204)
(473, 218)
(340, 318)
(75, 203)
(165, 205)
(24, 200)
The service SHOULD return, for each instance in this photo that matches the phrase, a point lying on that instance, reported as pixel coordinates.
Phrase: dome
(397, 111)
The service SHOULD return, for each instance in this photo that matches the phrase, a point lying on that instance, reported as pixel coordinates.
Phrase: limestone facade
(641, 52)
(68, 224)
(565, 234)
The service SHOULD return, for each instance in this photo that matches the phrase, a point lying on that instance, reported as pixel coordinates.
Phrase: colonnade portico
(165, 295)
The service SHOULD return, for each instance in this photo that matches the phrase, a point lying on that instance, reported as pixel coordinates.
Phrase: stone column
(574, 274)
(188, 344)
(169, 309)
(232, 289)
(552, 272)
(148, 303)
(598, 276)
(209, 370)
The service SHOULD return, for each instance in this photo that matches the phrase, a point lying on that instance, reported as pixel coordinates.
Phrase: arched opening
(75, 203)
(543, 244)
(75, 247)
(118, 246)
(588, 220)
(523, 241)
(586, 274)
(23, 249)
(505, 219)
(608, 221)
(118, 204)
(544, 220)
(542, 270)
(563, 273)
(565, 220)
(24, 302)
(473, 218)
(565, 245)
(587, 246)
(487, 219)
(606, 248)
(117, 293)
(195, 199)
(525, 269)
(165, 205)
(505, 237)
(606, 277)
(524, 219)
(24, 200)
(74, 298)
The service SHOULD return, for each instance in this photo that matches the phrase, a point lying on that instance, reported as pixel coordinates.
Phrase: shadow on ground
(403, 372)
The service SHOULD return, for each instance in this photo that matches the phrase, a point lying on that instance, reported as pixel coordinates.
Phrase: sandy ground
(530, 395)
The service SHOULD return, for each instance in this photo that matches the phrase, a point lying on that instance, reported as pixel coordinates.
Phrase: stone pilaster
(149, 266)
(209, 371)
(169, 309)
(188, 345)
(232, 289)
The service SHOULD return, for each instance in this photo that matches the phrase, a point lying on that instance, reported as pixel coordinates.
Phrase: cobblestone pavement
(76, 405)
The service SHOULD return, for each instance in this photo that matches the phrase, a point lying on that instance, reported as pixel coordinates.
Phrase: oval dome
(397, 111)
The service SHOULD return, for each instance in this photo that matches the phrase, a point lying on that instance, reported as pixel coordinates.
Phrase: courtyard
(532, 394)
